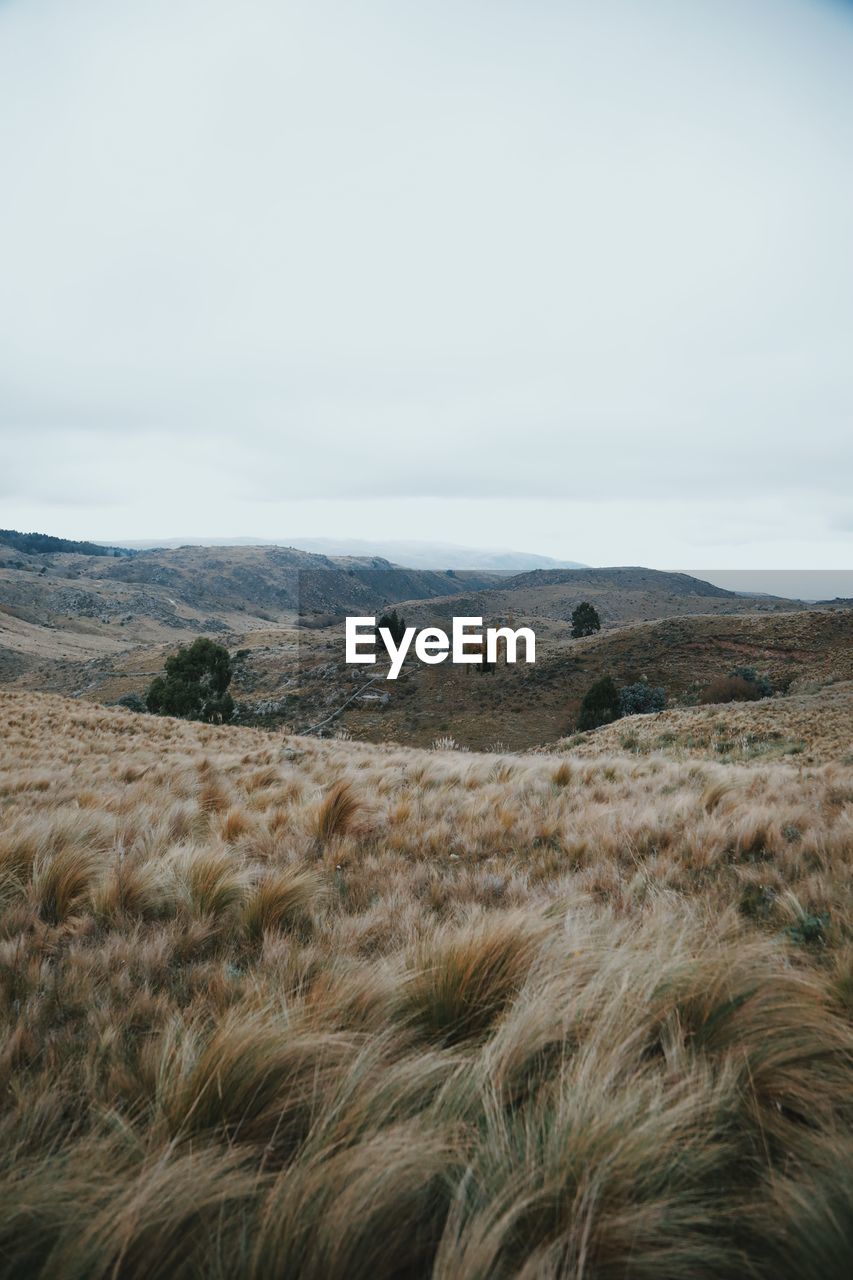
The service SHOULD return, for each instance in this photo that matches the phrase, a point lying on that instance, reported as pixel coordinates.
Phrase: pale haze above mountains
(574, 276)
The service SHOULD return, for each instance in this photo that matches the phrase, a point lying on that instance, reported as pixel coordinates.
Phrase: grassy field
(806, 728)
(280, 1007)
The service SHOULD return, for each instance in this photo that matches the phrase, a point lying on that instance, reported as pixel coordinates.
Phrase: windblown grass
(586, 1017)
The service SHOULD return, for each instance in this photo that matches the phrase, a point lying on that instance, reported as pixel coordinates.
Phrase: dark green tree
(195, 685)
(600, 705)
(585, 620)
(397, 626)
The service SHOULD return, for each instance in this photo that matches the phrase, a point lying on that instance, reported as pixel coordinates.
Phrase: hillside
(546, 598)
(521, 706)
(76, 608)
(807, 728)
(281, 579)
(277, 1006)
(299, 678)
(101, 627)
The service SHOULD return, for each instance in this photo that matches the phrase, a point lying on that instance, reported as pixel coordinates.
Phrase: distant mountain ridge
(407, 553)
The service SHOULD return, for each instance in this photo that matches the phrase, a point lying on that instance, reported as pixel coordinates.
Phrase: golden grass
(537, 1016)
(805, 728)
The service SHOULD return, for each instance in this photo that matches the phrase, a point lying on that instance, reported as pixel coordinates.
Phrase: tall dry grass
(279, 1007)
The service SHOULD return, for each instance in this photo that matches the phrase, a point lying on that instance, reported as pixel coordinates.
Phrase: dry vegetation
(806, 728)
(278, 1007)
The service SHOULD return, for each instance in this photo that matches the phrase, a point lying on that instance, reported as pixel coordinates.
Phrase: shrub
(133, 702)
(729, 689)
(641, 699)
(195, 684)
(751, 676)
(585, 620)
(600, 705)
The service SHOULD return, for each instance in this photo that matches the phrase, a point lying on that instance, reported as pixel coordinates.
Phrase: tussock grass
(282, 899)
(208, 882)
(462, 982)
(61, 881)
(336, 812)
(538, 1017)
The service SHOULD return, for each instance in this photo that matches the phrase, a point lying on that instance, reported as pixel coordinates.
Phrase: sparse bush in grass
(756, 901)
(585, 620)
(600, 705)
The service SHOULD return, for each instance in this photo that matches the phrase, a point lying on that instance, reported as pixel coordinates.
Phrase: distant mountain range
(408, 553)
(828, 586)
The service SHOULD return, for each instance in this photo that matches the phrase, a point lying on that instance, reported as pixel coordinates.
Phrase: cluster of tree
(585, 620)
(742, 684)
(605, 702)
(195, 684)
(45, 543)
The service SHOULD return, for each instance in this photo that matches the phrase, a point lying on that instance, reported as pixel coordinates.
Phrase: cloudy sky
(574, 277)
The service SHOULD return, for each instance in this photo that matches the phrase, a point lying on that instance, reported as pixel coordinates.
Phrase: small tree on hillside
(195, 684)
(585, 620)
(600, 705)
(397, 626)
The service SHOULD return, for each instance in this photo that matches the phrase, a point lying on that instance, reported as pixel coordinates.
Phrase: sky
(572, 277)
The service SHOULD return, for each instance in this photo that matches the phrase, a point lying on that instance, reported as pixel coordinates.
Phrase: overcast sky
(571, 277)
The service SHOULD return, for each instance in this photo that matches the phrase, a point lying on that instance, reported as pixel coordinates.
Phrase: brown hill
(805, 728)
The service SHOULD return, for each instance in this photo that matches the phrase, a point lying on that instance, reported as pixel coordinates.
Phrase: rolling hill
(101, 627)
